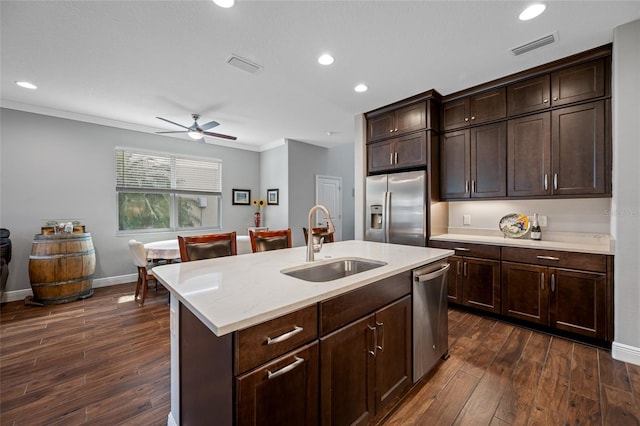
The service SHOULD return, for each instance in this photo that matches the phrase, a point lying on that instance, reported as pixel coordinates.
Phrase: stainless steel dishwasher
(430, 320)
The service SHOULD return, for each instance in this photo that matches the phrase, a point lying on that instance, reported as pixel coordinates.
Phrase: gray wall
(53, 168)
(626, 189)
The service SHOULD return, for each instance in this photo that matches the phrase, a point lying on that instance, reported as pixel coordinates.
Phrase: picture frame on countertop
(241, 197)
(273, 197)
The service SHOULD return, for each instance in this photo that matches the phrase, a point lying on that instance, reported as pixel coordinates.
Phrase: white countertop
(231, 293)
(582, 243)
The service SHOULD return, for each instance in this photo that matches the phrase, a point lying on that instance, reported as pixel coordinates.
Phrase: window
(164, 192)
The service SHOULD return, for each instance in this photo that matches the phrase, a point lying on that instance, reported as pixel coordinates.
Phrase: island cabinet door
(282, 392)
(347, 374)
(393, 352)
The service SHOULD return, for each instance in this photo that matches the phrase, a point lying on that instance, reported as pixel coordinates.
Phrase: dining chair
(317, 234)
(139, 255)
(208, 246)
(270, 240)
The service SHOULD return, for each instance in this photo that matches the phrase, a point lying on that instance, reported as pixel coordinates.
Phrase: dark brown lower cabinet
(365, 364)
(282, 392)
(565, 299)
(454, 279)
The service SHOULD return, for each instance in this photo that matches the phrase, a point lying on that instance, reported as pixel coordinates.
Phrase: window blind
(138, 170)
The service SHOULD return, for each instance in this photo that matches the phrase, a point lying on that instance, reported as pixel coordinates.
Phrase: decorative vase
(256, 219)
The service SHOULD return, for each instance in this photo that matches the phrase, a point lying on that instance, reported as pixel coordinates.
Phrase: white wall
(626, 190)
(53, 168)
(340, 164)
(591, 215)
(274, 174)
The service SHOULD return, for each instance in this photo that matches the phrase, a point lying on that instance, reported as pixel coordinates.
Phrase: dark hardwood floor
(104, 360)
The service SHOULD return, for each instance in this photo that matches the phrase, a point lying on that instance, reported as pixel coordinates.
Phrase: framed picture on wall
(273, 197)
(241, 197)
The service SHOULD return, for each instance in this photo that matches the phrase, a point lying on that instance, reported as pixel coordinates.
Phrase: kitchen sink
(332, 269)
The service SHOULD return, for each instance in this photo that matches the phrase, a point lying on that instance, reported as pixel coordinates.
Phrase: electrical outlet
(466, 219)
(542, 220)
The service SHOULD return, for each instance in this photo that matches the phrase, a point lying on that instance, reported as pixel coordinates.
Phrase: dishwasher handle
(435, 274)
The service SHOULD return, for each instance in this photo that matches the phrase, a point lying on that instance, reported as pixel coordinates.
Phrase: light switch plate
(542, 220)
(466, 219)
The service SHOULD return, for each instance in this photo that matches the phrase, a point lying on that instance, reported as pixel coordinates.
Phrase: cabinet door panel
(347, 375)
(411, 150)
(529, 156)
(380, 156)
(272, 395)
(481, 284)
(393, 352)
(410, 118)
(529, 95)
(487, 106)
(454, 165)
(525, 293)
(454, 279)
(578, 83)
(455, 114)
(578, 302)
(578, 149)
(489, 160)
(381, 127)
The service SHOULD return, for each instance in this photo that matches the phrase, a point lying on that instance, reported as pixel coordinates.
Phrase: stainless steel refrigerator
(397, 208)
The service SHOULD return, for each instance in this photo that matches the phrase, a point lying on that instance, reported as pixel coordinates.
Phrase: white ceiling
(122, 63)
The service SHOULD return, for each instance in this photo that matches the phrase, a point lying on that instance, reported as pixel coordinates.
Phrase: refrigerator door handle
(387, 213)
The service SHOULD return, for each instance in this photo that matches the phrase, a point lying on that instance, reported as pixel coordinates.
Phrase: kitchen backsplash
(589, 215)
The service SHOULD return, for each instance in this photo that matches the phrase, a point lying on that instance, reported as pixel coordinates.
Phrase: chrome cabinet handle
(545, 101)
(380, 325)
(284, 336)
(390, 130)
(555, 181)
(391, 158)
(473, 117)
(553, 282)
(396, 157)
(464, 269)
(458, 267)
(548, 258)
(372, 352)
(466, 119)
(434, 274)
(542, 281)
(555, 98)
(395, 130)
(473, 186)
(546, 182)
(461, 249)
(285, 369)
(466, 186)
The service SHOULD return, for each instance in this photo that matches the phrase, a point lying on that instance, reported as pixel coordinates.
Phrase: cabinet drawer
(555, 258)
(343, 309)
(469, 249)
(260, 343)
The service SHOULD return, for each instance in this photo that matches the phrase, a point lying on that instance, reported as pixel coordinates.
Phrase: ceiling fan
(197, 131)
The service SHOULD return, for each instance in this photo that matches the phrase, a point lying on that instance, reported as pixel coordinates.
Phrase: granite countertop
(563, 241)
(231, 293)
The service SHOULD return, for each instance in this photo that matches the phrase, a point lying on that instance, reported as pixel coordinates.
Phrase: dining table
(169, 249)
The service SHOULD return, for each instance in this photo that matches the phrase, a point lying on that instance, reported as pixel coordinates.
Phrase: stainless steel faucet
(310, 257)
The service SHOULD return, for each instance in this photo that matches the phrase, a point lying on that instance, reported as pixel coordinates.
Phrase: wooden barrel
(61, 267)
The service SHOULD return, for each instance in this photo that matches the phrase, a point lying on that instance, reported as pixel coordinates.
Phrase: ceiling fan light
(224, 3)
(194, 134)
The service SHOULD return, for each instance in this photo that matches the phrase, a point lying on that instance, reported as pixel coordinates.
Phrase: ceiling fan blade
(218, 135)
(177, 131)
(172, 122)
(209, 125)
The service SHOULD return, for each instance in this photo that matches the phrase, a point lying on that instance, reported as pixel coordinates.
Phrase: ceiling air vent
(243, 64)
(528, 47)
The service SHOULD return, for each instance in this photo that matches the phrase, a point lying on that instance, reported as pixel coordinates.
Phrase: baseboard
(625, 353)
(12, 296)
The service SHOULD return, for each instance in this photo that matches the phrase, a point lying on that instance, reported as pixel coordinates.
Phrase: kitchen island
(218, 304)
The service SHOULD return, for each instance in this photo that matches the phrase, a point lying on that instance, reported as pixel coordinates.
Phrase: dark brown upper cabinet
(399, 153)
(529, 156)
(529, 95)
(473, 162)
(476, 109)
(398, 122)
(578, 83)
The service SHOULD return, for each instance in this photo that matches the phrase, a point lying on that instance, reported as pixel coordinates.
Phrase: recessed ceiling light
(532, 11)
(224, 3)
(26, 85)
(361, 88)
(325, 59)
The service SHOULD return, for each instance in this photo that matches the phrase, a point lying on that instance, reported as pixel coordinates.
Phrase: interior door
(329, 194)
